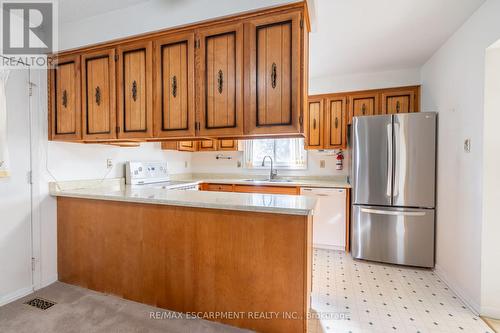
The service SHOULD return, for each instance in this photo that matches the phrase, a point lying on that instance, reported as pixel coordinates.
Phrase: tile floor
(358, 296)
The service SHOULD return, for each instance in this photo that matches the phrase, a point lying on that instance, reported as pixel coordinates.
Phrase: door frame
(35, 134)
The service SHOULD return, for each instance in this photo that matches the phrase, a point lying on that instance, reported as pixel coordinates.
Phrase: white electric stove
(154, 174)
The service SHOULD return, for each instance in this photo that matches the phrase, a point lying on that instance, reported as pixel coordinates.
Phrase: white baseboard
(329, 247)
(490, 312)
(15, 295)
(46, 282)
(473, 306)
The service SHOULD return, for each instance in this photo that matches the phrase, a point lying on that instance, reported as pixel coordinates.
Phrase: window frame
(298, 144)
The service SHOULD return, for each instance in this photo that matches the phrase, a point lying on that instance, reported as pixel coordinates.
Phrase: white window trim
(301, 153)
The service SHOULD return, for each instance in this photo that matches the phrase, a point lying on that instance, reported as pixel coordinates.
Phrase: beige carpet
(82, 310)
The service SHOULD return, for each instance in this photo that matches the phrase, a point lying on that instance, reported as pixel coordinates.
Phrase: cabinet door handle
(98, 95)
(134, 90)
(363, 108)
(65, 98)
(398, 106)
(336, 122)
(274, 75)
(314, 124)
(174, 86)
(220, 81)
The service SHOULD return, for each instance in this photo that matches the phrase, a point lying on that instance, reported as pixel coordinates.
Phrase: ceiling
(74, 10)
(364, 36)
(349, 36)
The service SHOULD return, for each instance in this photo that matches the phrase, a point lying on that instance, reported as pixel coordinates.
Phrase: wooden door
(220, 80)
(229, 145)
(187, 145)
(273, 70)
(98, 95)
(402, 101)
(335, 123)
(135, 90)
(65, 99)
(315, 124)
(363, 105)
(207, 145)
(174, 102)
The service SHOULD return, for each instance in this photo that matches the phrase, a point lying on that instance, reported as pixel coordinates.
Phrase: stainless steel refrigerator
(393, 180)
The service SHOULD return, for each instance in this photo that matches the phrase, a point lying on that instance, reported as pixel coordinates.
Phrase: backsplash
(205, 162)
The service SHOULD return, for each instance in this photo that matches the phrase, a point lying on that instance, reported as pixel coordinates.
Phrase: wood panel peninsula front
(243, 259)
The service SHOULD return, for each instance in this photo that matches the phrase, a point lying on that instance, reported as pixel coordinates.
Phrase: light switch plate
(467, 145)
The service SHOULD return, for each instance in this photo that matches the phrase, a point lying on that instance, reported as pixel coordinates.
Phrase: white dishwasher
(329, 219)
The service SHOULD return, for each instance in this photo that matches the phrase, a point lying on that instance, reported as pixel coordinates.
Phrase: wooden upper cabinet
(207, 145)
(227, 145)
(135, 93)
(363, 105)
(314, 138)
(402, 101)
(174, 102)
(220, 80)
(335, 123)
(65, 106)
(98, 95)
(187, 145)
(273, 69)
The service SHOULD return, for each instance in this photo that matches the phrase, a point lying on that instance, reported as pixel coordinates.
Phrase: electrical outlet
(185, 164)
(322, 164)
(109, 163)
(238, 164)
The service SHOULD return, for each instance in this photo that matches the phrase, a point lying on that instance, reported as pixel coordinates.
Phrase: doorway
(16, 276)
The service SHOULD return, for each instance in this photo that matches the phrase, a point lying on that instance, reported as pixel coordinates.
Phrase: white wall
(364, 81)
(205, 162)
(453, 85)
(490, 263)
(150, 16)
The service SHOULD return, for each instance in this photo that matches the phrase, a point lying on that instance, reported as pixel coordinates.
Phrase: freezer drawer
(393, 235)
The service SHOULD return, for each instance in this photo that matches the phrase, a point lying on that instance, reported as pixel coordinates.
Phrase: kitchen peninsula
(190, 251)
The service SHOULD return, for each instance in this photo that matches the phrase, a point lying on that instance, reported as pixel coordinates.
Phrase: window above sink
(288, 154)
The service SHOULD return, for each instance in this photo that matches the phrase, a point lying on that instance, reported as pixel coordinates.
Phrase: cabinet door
(229, 145)
(335, 123)
(135, 91)
(98, 95)
(169, 145)
(398, 102)
(220, 86)
(363, 105)
(207, 145)
(274, 74)
(187, 145)
(65, 93)
(174, 86)
(315, 124)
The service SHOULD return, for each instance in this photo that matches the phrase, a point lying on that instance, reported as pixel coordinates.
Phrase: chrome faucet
(273, 173)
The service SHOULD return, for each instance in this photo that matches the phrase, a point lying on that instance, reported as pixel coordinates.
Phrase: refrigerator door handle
(388, 191)
(391, 212)
(397, 148)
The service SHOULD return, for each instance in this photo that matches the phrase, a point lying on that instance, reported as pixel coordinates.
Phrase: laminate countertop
(324, 182)
(116, 190)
